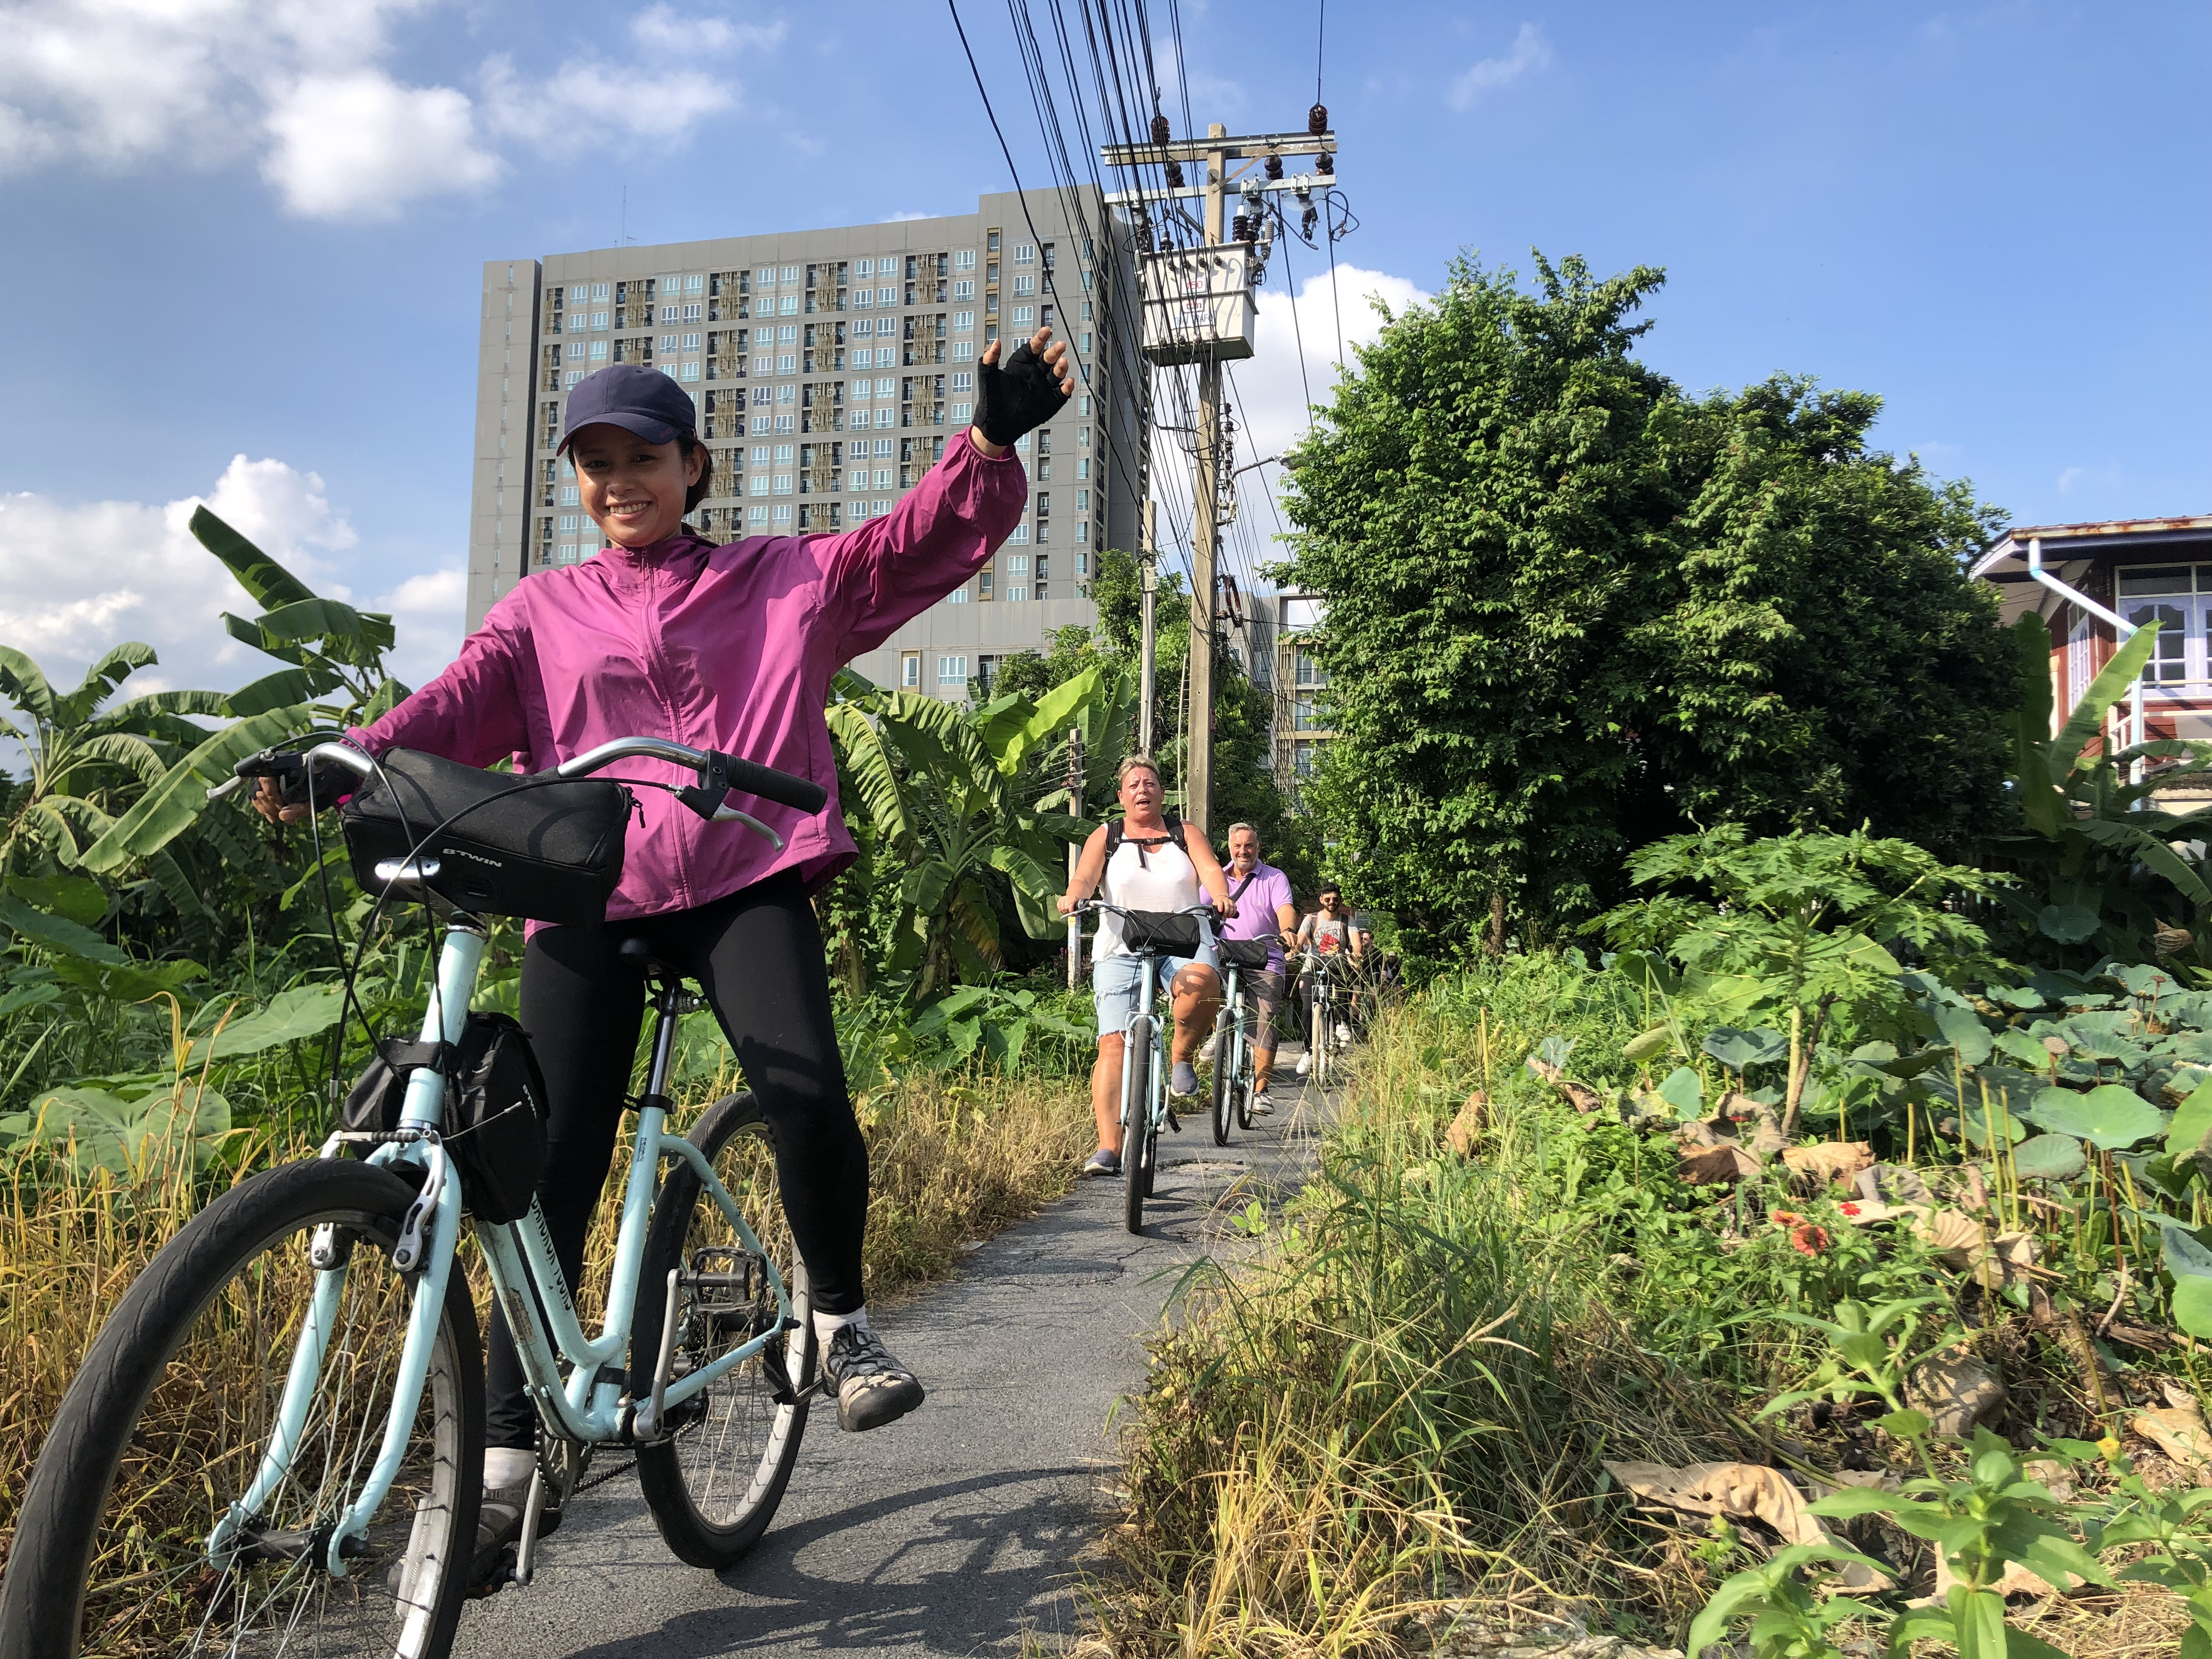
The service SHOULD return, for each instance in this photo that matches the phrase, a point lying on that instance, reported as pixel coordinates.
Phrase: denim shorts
(1114, 982)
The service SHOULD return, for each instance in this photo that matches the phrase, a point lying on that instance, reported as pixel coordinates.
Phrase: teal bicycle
(1150, 935)
(274, 1444)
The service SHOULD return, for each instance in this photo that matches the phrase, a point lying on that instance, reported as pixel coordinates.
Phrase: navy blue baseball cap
(633, 397)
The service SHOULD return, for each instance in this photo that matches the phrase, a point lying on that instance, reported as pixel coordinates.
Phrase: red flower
(1808, 1240)
(1851, 1210)
(1783, 1217)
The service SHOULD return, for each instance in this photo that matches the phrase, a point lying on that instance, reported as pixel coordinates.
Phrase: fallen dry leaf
(2178, 1430)
(1584, 1100)
(1741, 1492)
(1831, 1160)
(1465, 1129)
(1717, 1165)
(1953, 1236)
(1957, 1391)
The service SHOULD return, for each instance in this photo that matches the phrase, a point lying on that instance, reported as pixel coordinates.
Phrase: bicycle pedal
(1174, 1123)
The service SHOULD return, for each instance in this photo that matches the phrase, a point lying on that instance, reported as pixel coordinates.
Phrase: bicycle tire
(138, 1436)
(1242, 1081)
(1225, 1076)
(1136, 1135)
(747, 1428)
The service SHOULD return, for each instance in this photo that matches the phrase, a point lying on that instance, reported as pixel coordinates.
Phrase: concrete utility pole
(1147, 670)
(1198, 309)
(1074, 852)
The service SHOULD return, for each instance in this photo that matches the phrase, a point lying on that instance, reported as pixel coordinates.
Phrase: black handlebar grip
(801, 795)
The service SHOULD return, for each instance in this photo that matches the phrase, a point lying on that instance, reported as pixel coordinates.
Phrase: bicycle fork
(437, 1210)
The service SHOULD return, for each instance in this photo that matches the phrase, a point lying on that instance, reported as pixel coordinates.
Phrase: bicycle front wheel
(714, 1483)
(171, 1417)
(1137, 1141)
(1225, 1049)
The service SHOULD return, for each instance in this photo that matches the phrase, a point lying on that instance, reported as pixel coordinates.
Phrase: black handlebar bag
(505, 846)
(1160, 931)
(1247, 953)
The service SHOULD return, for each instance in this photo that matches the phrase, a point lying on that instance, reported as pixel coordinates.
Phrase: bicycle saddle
(633, 952)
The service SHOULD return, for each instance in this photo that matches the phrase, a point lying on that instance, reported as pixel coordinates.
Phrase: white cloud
(76, 579)
(301, 85)
(901, 218)
(1529, 51)
(359, 146)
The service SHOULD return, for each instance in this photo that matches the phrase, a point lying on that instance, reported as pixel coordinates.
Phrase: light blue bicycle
(274, 1444)
(1151, 934)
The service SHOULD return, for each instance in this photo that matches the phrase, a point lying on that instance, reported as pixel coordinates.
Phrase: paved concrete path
(958, 1529)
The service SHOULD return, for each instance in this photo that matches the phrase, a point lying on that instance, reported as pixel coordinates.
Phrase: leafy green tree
(1572, 611)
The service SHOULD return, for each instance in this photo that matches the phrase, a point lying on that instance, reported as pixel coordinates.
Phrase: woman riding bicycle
(732, 649)
(1148, 861)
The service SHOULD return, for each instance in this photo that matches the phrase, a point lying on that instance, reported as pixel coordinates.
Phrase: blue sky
(252, 228)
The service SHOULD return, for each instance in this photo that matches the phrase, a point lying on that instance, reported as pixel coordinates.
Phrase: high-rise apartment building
(831, 368)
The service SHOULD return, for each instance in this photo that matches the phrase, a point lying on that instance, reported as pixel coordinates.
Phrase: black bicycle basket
(552, 852)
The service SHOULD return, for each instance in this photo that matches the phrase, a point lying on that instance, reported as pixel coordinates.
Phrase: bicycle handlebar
(719, 774)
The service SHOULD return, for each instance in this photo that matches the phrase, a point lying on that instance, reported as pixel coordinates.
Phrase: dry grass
(952, 1161)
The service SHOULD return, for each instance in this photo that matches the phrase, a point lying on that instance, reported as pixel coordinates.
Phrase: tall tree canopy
(1572, 610)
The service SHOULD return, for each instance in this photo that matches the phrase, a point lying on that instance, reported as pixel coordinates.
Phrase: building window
(761, 426)
(1021, 536)
(1024, 315)
(783, 484)
(1086, 347)
(964, 289)
(961, 412)
(788, 305)
(910, 668)
(783, 513)
(965, 259)
(791, 273)
(788, 334)
(690, 343)
(964, 351)
(569, 521)
(1082, 560)
(1024, 284)
(952, 671)
(786, 362)
(600, 290)
(786, 424)
(694, 312)
(963, 322)
(598, 320)
(694, 284)
(1025, 255)
(567, 495)
(691, 370)
(1309, 672)
(578, 295)
(786, 393)
(576, 352)
(759, 484)
(960, 596)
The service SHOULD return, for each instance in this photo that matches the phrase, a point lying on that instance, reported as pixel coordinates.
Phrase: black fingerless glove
(1016, 395)
(332, 783)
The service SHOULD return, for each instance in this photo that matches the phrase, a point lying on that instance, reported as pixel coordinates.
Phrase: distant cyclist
(729, 647)
(1148, 859)
(1328, 933)
(1264, 910)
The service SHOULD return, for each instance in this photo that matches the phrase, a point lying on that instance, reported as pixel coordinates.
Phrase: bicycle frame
(1143, 1025)
(520, 1257)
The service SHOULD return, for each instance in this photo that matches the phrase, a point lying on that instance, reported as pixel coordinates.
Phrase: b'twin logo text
(463, 852)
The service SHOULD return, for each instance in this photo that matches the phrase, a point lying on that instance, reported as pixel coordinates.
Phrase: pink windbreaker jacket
(728, 648)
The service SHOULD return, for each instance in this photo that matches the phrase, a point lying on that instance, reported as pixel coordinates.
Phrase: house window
(791, 273)
(783, 512)
(965, 259)
(1024, 285)
(788, 305)
(1025, 255)
(959, 596)
(690, 343)
(910, 668)
(600, 290)
(691, 370)
(964, 289)
(1310, 671)
(963, 322)
(952, 671)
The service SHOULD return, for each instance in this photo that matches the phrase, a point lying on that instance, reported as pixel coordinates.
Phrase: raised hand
(1032, 386)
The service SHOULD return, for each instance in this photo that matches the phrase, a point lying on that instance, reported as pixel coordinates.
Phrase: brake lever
(726, 813)
(229, 786)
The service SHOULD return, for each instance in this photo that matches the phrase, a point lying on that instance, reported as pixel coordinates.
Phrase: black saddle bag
(495, 1128)
(1243, 953)
(552, 852)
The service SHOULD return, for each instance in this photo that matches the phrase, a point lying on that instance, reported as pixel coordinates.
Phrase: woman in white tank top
(1151, 869)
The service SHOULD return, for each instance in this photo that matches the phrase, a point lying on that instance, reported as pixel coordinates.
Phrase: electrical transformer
(1198, 304)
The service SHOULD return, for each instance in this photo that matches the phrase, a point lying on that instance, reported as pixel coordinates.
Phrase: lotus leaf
(2192, 1305)
(1874, 1054)
(1963, 1030)
(1736, 1049)
(1683, 1091)
(2019, 997)
(2069, 924)
(2191, 1122)
(1982, 1127)
(1553, 1050)
(2145, 980)
(2016, 1044)
(2050, 1158)
(2183, 1253)
(2109, 1115)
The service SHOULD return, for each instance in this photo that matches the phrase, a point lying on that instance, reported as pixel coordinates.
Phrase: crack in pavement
(959, 1529)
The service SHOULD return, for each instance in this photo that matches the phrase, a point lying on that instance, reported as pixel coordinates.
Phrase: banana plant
(950, 799)
(2103, 879)
(327, 647)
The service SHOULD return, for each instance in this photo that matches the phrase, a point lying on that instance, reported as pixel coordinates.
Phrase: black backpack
(1115, 836)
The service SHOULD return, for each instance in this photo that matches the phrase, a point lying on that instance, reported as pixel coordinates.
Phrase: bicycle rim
(177, 1402)
(715, 1483)
(1224, 1077)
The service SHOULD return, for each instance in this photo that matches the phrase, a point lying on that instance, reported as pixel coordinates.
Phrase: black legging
(756, 955)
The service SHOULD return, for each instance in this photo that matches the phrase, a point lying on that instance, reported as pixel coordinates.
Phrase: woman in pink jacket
(732, 649)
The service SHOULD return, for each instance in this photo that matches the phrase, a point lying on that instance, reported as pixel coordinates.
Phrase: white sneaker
(1262, 1105)
(1305, 1064)
(1207, 1049)
(1343, 1032)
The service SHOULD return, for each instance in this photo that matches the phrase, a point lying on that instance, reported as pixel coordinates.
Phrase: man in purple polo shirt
(1264, 910)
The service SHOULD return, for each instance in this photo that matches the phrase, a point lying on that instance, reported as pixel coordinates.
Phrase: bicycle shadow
(954, 1571)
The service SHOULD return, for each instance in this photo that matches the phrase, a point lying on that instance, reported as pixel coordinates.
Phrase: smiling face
(1243, 850)
(634, 490)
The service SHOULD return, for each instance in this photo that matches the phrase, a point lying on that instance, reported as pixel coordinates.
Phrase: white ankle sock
(827, 1325)
(506, 1466)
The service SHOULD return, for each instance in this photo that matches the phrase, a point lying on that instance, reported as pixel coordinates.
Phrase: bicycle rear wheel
(713, 1485)
(168, 1421)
